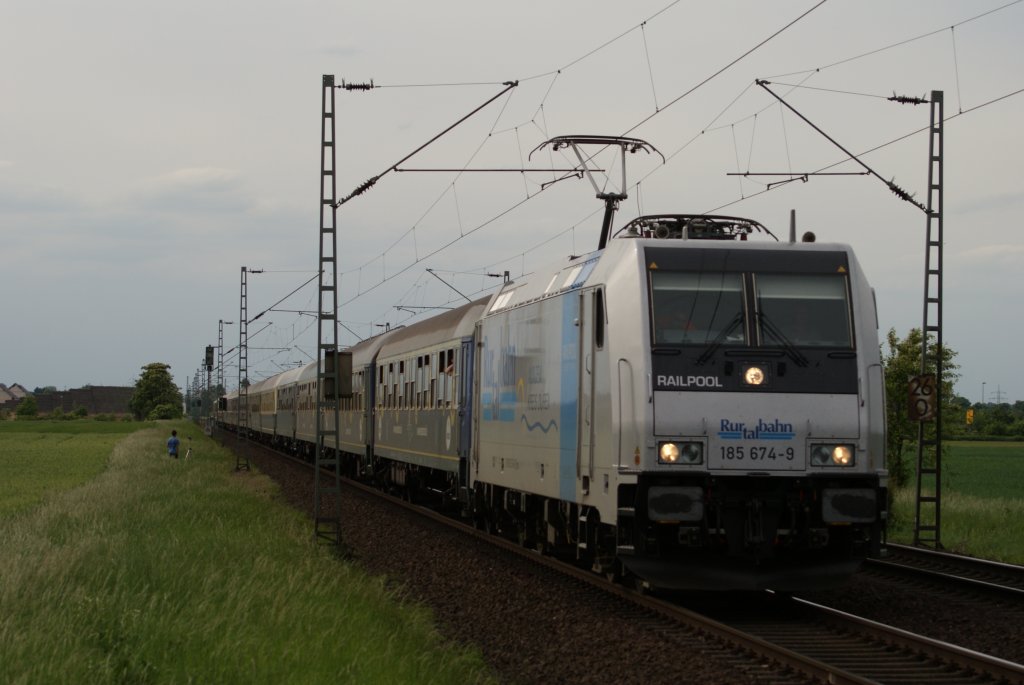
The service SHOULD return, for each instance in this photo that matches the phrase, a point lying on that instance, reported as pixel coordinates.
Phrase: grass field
(982, 501)
(41, 457)
(144, 569)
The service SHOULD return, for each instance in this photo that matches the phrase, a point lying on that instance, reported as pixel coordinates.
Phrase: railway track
(852, 649)
(769, 639)
(1004, 581)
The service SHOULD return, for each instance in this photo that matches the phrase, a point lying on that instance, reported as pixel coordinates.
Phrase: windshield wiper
(719, 339)
(796, 355)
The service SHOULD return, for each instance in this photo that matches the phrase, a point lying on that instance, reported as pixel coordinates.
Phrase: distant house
(18, 391)
(5, 395)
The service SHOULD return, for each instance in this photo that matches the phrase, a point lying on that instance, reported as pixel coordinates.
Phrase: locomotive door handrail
(585, 425)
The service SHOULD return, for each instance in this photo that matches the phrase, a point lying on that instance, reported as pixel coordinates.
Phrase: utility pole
(927, 524)
(327, 479)
(242, 418)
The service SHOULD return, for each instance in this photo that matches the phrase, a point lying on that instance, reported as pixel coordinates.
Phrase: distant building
(18, 391)
(96, 399)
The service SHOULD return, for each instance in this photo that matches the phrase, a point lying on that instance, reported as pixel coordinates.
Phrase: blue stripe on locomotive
(505, 410)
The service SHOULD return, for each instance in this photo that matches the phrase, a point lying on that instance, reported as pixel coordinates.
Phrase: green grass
(982, 501)
(42, 457)
(75, 426)
(169, 571)
(985, 469)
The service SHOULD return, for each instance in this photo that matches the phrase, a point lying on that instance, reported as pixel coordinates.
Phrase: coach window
(429, 397)
(424, 384)
(447, 376)
(428, 389)
(697, 308)
(806, 310)
(453, 376)
(599, 318)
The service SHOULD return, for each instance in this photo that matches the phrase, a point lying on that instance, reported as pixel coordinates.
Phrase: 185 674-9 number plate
(762, 445)
(756, 456)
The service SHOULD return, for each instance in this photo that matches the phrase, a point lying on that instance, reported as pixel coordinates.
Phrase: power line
(539, 117)
(886, 144)
(902, 194)
(509, 85)
(677, 99)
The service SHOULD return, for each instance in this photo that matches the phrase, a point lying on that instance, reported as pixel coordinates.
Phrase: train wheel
(612, 572)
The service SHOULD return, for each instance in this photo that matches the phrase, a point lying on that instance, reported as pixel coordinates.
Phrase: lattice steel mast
(327, 485)
(242, 418)
(932, 326)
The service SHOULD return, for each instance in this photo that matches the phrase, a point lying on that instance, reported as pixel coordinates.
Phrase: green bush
(28, 408)
(164, 411)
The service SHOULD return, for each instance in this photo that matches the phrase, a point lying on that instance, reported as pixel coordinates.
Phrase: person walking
(172, 445)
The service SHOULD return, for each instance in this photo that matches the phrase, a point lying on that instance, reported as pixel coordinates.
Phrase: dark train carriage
(422, 400)
(356, 433)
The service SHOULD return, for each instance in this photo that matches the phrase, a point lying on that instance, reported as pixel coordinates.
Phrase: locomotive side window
(697, 308)
(805, 310)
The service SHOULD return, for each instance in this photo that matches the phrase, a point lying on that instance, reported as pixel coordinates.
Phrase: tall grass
(36, 463)
(167, 571)
(982, 502)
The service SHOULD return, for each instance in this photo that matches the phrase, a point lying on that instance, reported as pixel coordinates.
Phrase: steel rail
(985, 575)
(999, 669)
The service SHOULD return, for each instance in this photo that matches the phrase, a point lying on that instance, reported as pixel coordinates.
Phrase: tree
(902, 362)
(999, 420)
(153, 389)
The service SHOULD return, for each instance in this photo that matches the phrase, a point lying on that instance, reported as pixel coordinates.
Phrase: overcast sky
(148, 151)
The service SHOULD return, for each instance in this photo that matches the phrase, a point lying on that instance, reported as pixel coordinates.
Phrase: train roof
(366, 351)
(682, 231)
(452, 325)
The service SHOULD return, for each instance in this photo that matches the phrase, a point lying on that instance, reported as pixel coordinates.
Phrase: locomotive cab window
(697, 308)
(803, 310)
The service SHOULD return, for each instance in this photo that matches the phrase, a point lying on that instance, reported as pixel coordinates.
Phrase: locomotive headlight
(680, 453)
(754, 375)
(842, 455)
(831, 455)
(668, 453)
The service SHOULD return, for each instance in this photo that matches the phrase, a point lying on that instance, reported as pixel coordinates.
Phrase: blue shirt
(172, 445)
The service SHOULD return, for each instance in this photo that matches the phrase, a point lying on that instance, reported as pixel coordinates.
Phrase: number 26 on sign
(921, 396)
